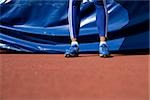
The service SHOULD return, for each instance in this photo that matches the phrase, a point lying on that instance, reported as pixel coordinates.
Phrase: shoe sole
(104, 56)
(69, 56)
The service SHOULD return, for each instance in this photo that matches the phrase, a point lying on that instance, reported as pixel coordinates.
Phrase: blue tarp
(42, 26)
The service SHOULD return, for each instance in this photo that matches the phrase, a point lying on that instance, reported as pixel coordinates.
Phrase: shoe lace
(104, 47)
(73, 48)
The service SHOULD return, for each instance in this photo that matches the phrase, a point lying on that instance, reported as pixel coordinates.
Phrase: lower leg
(101, 18)
(74, 25)
(74, 18)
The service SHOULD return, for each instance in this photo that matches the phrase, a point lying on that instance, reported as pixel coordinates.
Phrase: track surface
(88, 77)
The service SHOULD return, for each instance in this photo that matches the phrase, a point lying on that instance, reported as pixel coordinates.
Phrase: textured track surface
(88, 77)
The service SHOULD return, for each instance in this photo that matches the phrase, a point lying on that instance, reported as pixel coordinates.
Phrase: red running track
(88, 77)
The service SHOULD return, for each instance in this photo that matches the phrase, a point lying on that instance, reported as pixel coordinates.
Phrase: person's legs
(74, 27)
(101, 20)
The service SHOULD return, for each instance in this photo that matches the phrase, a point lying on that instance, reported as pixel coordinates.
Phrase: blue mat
(41, 26)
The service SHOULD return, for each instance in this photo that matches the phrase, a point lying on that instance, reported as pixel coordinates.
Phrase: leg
(101, 17)
(74, 26)
(74, 18)
(101, 20)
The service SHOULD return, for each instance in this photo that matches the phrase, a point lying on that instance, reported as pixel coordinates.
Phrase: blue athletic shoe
(104, 51)
(73, 51)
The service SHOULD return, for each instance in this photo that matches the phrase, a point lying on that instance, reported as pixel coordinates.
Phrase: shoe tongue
(102, 43)
(74, 43)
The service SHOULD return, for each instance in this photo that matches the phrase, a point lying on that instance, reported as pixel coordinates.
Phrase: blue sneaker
(104, 51)
(73, 51)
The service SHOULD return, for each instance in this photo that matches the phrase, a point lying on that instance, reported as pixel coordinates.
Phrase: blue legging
(74, 17)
